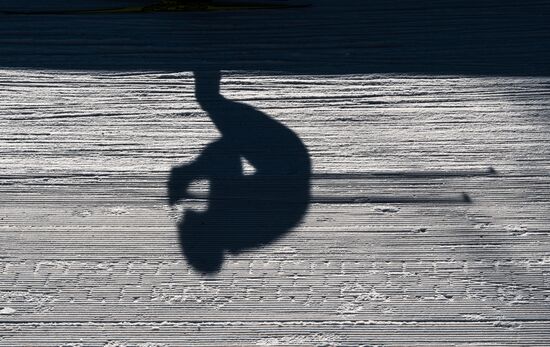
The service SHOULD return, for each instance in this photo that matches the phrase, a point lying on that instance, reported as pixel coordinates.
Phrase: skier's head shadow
(244, 211)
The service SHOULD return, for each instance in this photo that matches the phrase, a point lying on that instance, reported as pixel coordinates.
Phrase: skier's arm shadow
(244, 211)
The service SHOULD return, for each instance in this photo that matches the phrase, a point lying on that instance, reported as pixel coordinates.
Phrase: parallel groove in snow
(88, 245)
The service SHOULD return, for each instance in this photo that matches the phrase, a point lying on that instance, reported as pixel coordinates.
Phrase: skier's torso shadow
(244, 211)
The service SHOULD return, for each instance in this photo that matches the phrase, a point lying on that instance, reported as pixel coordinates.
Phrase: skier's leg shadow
(244, 211)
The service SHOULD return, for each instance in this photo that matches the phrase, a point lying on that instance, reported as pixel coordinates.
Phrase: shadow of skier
(244, 211)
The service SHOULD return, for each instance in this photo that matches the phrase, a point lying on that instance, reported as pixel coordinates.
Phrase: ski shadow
(244, 211)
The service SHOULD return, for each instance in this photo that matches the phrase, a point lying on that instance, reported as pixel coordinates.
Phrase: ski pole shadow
(244, 211)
